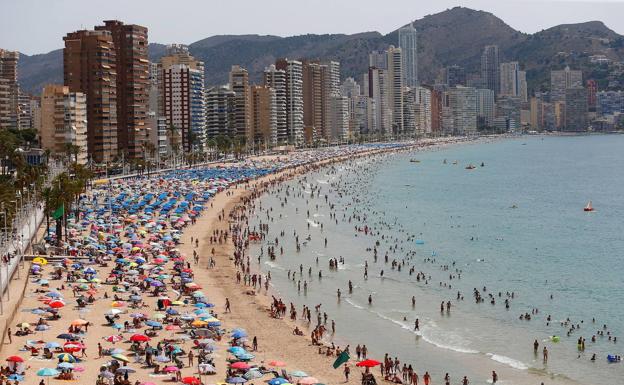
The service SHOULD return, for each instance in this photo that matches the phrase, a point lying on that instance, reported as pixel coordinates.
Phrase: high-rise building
(239, 83)
(378, 92)
(9, 90)
(64, 122)
(183, 99)
(90, 67)
(410, 106)
(378, 59)
(510, 79)
(490, 68)
(350, 88)
(294, 98)
(263, 115)
(220, 108)
(423, 111)
(408, 42)
(314, 101)
(508, 110)
(485, 107)
(132, 82)
(276, 79)
(563, 79)
(575, 109)
(339, 117)
(395, 88)
(610, 102)
(460, 111)
(156, 122)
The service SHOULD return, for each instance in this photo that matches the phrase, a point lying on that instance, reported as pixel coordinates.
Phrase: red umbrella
(15, 359)
(56, 304)
(139, 338)
(368, 363)
(191, 381)
(240, 365)
(72, 347)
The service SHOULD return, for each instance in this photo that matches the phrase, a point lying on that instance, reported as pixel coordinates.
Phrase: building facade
(408, 42)
(9, 90)
(490, 68)
(293, 70)
(276, 79)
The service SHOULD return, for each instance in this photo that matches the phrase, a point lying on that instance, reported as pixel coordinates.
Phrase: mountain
(454, 36)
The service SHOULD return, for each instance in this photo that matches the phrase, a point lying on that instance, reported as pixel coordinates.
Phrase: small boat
(444, 162)
(470, 167)
(454, 162)
(414, 161)
(482, 164)
(588, 207)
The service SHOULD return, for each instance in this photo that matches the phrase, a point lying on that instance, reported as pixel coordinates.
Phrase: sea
(513, 228)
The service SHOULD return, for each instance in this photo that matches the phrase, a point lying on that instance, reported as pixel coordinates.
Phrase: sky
(38, 26)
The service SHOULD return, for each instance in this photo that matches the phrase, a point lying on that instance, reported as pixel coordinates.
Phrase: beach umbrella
(139, 338)
(113, 312)
(47, 372)
(138, 315)
(56, 304)
(120, 357)
(236, 380)
(239, 334)
(199, 323)
(117, 326)
(65, 365)
(68, 336)
(240, 365)
(125, 369)
(54, 294)
(278, 381)
(40, 261)
(41, 328)
(72, 348)
(15, 359)
(172, 327)
(66, 357)
(52, 345)
(153, 324)
(236, 350)
(23, 325)
(38, 311)
(277, 364)
(159, 316)
(113, 338)
(191, 381)
(308, 381)
(298, 373)
(43, 282)
(207, 368)
(253, 374)
(170, 369)
(16, 377)
(245, 356)
(368, 363)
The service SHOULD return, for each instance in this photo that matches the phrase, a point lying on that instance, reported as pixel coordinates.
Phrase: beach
(275, 340)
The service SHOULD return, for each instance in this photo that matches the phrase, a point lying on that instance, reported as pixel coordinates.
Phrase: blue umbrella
(52, 345)
(239, 334)
(236, 380)
(16, 377)
(236, 350)
(47, 372)
(54, 294)
(38, 311)
(117, 326)
(68, 336)
(153, 324)
(172, 311)
(245, 356)
(278, 381)
(65, 365)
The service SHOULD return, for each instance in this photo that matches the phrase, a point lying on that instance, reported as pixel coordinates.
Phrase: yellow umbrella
(199, 323)
(177, 303)
(120, 357)
(40, 261)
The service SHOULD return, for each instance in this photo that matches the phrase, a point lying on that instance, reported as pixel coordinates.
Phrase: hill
(454, 36)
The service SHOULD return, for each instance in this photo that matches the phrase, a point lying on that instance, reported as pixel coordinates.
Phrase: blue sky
(38, 26)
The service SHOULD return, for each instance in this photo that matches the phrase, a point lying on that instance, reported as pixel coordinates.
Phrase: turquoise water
(515, 225)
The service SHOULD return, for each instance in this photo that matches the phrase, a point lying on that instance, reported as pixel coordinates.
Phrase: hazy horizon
(49, 21)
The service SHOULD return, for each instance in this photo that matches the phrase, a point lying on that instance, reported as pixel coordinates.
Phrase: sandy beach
(275, 338)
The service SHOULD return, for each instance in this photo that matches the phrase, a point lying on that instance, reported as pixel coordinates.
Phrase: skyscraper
(9, 90)
(90, 67)
(132, 82)
(220, 107)
(64, 122)
(183, 98)
(509, 81)
(395, 88)
(294, 98)
(563, 79)
(378, 92)
(276, 79)
(575, 109)
(408, 42)
(263, 115)
(490, 68)
(239, 83)
(314, 100)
